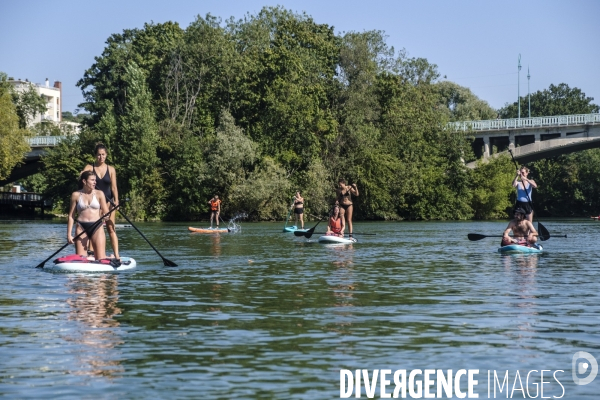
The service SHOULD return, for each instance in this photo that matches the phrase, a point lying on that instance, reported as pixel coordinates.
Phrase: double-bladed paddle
(92, 228)
(476, 236)
(168, 263)
(544, 233)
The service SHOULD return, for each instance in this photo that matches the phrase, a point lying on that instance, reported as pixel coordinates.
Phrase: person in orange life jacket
(524, 187)
(106, 181)
(215, 210)
(523, 231)
(336, 224)
(90, 205)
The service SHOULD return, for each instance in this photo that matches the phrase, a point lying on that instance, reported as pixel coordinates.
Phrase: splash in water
(234, 225)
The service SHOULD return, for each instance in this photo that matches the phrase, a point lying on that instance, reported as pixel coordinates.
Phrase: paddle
(476, 236)
(228, 229)
(309, 232)
(288, 216)
(545, 234)
(168, 263)
(92, 228)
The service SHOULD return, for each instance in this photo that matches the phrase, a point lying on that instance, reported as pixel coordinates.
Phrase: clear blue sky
(474, 43)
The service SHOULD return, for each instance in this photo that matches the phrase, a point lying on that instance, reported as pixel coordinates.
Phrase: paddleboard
(516, 248)
(123, 226)
(75, 263)
(208, 230)
(335, 240)
(293, 229)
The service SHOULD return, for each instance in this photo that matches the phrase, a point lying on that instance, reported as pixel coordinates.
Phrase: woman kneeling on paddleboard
(524, 233)
(336, 223)
(90, 205)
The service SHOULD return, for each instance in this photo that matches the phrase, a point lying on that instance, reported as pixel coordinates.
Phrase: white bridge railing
(533, 122)
(45, 141)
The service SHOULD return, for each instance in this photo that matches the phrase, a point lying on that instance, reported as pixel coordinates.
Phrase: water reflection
(522, 269)
(343, 284)
(94, 304)
(215, 248)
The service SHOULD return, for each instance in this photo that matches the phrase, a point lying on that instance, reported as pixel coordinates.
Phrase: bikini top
(298, 203)
(95, 204)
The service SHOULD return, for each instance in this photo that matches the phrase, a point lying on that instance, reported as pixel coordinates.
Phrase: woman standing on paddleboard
(106, 181)
(524, 188)
(215, 210)
(299, 210)
(89, 204)
(344, 199)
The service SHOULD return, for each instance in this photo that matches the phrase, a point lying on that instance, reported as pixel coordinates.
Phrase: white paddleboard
(92, 266)
(330, 239)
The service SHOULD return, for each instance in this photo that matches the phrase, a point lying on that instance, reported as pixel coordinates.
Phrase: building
(52, 95)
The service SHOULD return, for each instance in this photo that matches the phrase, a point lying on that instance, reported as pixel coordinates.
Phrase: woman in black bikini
(299, 209)
(90, 205)
(344, 199)
(106, 181)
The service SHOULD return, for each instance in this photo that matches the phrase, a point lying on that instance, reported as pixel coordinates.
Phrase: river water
(264, 315)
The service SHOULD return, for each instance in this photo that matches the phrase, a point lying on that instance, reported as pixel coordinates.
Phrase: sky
(474, 43)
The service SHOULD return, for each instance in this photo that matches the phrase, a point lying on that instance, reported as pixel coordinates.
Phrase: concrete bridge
(32, 161)
(533, 139)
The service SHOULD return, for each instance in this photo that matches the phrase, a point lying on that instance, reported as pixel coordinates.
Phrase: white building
(52, 95)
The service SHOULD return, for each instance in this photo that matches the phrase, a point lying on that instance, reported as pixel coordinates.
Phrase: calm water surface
(262, 314)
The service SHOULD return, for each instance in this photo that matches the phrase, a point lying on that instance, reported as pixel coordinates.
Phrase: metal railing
(533, 122)
(45, 141)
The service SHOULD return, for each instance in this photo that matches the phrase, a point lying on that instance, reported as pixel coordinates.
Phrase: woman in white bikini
(90, 205)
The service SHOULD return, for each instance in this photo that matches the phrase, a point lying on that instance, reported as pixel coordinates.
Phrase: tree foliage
(13, 137)
(256, 108)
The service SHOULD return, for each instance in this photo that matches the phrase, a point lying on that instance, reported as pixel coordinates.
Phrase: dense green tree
(13, 138)
(460, 104)
(556, 100)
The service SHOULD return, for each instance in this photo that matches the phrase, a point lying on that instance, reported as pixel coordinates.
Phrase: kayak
(76, 263)
(208, 230)
(294, 229)
(330, 239)
(517, 248)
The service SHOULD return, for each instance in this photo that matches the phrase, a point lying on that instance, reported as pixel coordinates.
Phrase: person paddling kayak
(523, 231)
(524, 188)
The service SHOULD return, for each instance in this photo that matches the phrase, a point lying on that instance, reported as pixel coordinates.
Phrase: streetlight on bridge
(519, 87)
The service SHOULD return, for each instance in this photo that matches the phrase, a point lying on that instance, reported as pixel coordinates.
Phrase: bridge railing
(533, 122)
(45, 141)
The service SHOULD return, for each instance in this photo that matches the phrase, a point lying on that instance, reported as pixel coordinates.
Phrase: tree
(28, 104)
(556, 100)
(460, 104)
(13, 138)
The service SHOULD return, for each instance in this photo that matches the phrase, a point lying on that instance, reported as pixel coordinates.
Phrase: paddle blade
(299, 233)
(543, 233)
(309, 232)
(169, 263)
(475, 236)
(41, 265)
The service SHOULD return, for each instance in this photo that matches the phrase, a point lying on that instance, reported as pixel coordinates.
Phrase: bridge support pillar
(486, 146)
(511, 141)
(538, 137)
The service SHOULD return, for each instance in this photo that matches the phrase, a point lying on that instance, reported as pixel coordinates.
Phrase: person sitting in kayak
(298, 209)
(90, 205)
(215, 210)
(524, 233)
(336, 224)
(524, 187)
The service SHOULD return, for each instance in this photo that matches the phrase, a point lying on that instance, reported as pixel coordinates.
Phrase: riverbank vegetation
(257, 108)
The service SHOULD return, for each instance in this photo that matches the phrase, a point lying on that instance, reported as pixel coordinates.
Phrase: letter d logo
(580, 367)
